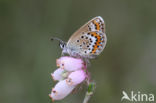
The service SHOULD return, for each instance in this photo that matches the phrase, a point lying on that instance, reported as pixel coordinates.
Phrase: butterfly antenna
(55, 38)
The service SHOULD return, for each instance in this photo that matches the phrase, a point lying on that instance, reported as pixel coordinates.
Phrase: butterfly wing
(89, 40)
(95, 24)
(89, 44)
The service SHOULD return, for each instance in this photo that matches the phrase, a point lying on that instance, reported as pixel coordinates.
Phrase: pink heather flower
(69, 74)
(76, 77)
(70, 63)
(61, 90)
(57, 75)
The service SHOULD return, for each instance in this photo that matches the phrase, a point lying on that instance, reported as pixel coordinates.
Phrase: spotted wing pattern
(95, 24)
(89, 44)
(89, 40)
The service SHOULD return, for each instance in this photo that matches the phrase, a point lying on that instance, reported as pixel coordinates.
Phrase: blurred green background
(27, 56)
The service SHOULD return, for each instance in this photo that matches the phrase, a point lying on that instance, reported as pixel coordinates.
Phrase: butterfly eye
(62, 45)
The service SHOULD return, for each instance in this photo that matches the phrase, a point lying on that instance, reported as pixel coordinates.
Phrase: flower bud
(61, 90)
(57, 75)
(70, 63)
(76, 77)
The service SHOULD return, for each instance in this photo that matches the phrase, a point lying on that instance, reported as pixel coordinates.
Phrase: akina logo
(137, 96)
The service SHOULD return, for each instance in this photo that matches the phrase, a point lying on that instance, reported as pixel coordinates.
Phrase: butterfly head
(62, 44)
(63, 47)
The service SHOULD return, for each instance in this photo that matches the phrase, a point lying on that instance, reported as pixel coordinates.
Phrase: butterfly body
(87, 42)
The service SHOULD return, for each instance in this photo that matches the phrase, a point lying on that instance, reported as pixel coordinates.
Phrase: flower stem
(89, 93)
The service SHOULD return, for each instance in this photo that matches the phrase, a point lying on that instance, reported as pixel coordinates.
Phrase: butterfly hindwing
(89, 44)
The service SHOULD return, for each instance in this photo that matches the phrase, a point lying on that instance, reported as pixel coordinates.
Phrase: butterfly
(88, 41)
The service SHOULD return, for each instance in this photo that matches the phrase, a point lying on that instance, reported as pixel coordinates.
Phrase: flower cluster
(69, 74)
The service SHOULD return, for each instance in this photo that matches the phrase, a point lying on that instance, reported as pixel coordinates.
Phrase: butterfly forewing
(95, 24)
(89, 40)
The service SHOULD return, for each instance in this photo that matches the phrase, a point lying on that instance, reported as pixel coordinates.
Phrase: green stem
(89, 93)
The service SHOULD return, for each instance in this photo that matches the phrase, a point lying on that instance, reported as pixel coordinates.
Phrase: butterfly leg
(63, 53)
(86, 60)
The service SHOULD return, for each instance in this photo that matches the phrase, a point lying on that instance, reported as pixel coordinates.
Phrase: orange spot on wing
(97, 42)
(97, 25)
